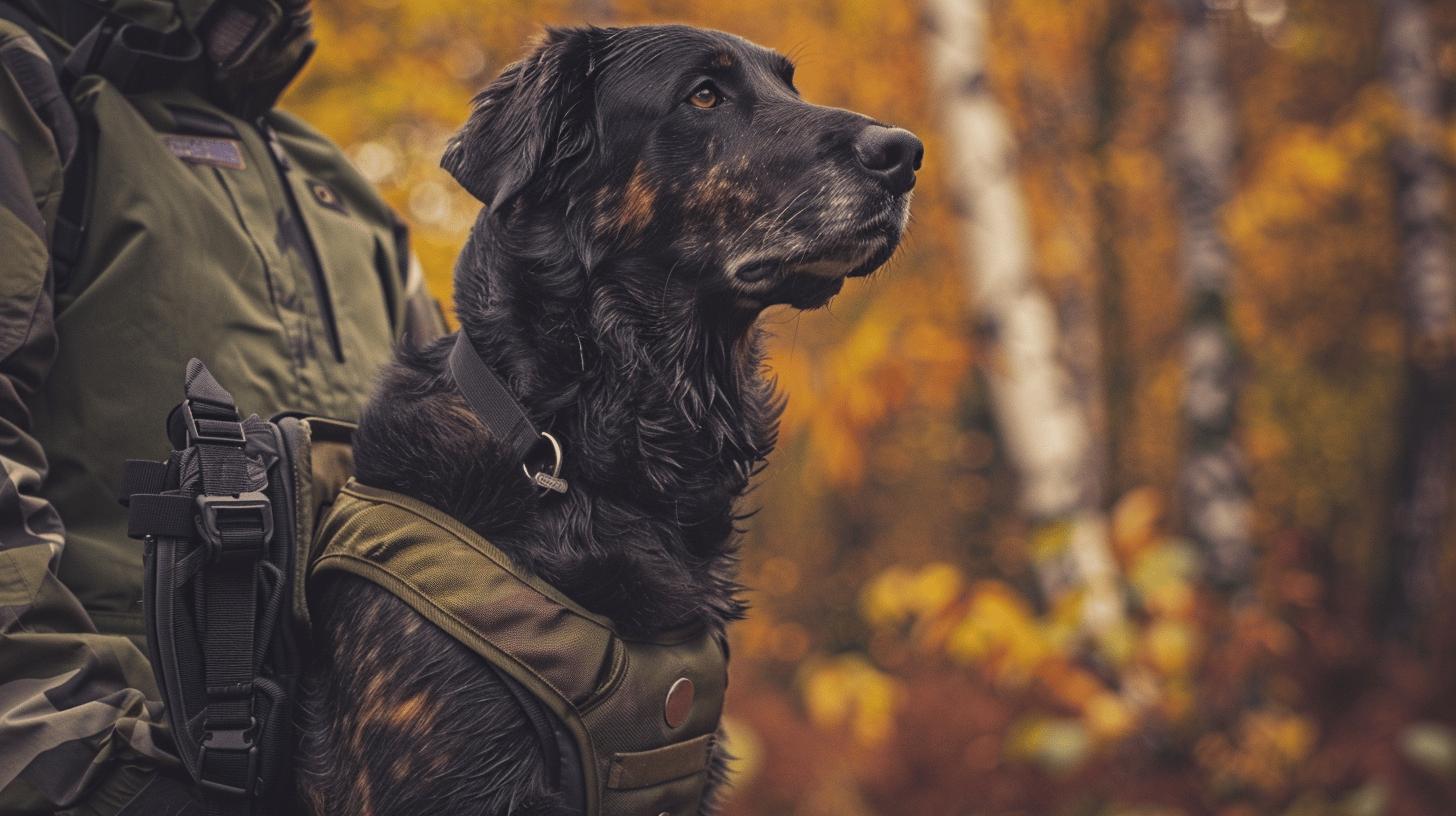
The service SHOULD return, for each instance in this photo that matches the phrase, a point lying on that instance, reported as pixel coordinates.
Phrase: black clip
(216, 511)
(195, 433)
(231, 740)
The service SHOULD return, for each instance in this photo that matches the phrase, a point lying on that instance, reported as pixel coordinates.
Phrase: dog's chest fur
(663, 413)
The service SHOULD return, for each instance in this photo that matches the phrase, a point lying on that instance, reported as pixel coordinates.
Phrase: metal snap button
(679, 703)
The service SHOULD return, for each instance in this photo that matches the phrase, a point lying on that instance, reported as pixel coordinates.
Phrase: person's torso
(200, 240)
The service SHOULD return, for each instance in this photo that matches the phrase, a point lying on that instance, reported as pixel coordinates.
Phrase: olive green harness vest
(642, 713)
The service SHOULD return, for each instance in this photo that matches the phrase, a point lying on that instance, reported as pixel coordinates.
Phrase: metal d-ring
(548, 481)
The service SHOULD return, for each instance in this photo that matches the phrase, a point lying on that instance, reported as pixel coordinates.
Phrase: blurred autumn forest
(1126, 487)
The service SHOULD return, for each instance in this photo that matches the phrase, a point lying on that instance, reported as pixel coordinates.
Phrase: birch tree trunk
(1214, 487)
(1043, 427)
(1423, 483)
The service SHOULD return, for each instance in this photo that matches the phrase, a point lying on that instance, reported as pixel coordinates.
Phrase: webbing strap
(235, 526)
(161, 516)
(142, 476)
(134, 57)
(491, 400)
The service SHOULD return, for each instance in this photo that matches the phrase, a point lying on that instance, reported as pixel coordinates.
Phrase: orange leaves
(1150, 662)
(1266, 746)
(840, 393)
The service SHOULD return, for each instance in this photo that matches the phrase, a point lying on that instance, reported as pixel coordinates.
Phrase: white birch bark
(1423, 483)
(1043, 426)
(1215, 489)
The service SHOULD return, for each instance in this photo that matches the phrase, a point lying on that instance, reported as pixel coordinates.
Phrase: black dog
(649, 192)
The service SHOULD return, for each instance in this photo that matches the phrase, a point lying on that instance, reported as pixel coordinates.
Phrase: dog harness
(641, 714)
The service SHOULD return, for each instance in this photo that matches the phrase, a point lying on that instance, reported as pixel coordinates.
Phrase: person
(154, 206)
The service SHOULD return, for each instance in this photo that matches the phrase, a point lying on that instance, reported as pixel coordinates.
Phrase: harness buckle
(217, 432)
(229, 740)
(221, 514)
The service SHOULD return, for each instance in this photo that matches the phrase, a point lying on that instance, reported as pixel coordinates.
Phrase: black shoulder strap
(33, 27)
(37, 71)
(132, 57)
(49, 95)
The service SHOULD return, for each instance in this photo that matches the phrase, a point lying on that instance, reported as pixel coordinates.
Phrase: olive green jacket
(201, 242)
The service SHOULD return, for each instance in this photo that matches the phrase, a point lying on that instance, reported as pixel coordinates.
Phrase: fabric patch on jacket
(206, 150)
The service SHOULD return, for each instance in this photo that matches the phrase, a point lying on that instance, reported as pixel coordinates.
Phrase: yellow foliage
(1108, 718)
(1163, 577)
(1001, 631)
(1058, 744)
(900, 594)
(1135, 521)
(1171, 646)
(849, 691)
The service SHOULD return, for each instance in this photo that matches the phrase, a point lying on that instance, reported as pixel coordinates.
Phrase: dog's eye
(705, 96)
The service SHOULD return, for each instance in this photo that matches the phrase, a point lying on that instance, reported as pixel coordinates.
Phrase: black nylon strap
(201, 386)
(133, 57)
(229, 583)
(491, 401)
(161, 516)
(142, 476)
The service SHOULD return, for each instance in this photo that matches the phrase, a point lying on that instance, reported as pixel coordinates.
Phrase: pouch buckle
(195, 433)
(232, 740)
(215, 513)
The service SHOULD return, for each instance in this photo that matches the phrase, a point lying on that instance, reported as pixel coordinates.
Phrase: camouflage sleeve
(424, 320)
(76, 707)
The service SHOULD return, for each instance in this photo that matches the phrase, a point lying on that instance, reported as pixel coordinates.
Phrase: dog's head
(691, 153)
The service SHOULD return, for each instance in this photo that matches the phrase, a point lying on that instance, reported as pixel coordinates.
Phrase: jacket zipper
(311, 257)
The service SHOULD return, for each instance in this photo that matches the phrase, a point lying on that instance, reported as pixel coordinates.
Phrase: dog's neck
(658, 400)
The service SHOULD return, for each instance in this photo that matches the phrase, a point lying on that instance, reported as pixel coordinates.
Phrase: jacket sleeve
(424, 320)
(76, 707)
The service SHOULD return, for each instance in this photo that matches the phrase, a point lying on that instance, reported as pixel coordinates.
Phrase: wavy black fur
(614, 280)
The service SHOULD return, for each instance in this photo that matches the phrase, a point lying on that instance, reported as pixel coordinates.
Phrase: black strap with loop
(499, 410)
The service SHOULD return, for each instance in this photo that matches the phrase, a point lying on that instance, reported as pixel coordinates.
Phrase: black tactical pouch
(227, 520)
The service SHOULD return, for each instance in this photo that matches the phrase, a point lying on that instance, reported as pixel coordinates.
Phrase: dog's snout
(891, 155)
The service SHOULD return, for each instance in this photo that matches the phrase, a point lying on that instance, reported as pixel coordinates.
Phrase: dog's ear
(533, 122)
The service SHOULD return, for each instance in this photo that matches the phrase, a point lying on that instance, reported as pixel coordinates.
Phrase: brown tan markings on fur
(720, 195)
(364, 794)
(723, 59)
(636, 209)
(380, 707)
(410, 712)
(399, 770)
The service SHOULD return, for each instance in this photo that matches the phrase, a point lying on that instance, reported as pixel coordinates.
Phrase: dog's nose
(891, 155)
